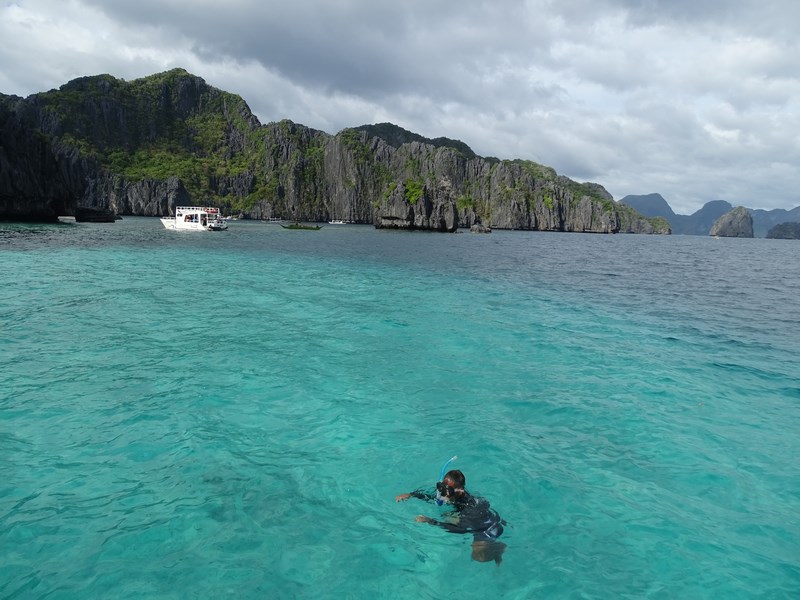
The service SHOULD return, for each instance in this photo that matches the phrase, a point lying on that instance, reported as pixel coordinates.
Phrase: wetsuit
(474, 514)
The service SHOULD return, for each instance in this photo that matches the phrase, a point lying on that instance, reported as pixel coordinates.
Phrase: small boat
(217, 225)
(301, 226)
(337, 222)
(195, 218)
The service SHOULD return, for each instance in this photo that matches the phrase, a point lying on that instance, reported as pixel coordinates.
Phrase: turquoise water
(231, 414)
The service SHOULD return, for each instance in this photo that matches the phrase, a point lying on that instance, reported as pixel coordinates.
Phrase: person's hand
(402, 497)
(423, 519)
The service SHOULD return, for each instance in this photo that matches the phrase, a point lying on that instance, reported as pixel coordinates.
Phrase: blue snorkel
(439, 499)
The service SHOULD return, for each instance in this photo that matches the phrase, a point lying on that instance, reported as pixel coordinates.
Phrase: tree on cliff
(144, 146)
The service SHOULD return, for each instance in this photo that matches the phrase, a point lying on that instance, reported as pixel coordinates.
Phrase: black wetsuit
(474, 515)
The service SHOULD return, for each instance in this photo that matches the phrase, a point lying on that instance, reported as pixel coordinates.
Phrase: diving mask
(441, 487)
(443, 491)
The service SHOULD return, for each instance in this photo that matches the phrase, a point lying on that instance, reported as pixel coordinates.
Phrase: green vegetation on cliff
(396, 136)
(167, 125)
(123, 140)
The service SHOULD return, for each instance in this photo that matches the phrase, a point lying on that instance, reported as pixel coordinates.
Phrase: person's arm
(415, 494)
(447, 526)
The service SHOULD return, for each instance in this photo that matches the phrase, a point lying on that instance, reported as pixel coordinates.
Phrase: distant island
(99, 147)
(785, 231)
(701, 222)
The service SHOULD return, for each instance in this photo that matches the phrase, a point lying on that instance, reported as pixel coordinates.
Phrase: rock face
(32, 182)
(736, 223)
(785, 231)
(146, 198)
(104, 146)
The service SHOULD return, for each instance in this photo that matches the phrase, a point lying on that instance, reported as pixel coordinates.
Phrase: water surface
(195, 415)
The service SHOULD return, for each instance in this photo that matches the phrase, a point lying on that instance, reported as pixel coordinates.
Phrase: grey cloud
(677, 97)
(363, 48)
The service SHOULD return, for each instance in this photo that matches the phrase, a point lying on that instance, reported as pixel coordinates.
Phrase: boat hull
(303, 227)
(192, 218)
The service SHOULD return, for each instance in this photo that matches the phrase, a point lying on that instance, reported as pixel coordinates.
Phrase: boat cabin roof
(196, 209)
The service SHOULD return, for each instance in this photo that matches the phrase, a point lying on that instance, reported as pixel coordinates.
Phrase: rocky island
(101, 146)
(785, 231)
(736, 223)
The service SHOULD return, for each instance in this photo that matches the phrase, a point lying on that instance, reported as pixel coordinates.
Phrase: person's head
(455, 479)
(451, 486)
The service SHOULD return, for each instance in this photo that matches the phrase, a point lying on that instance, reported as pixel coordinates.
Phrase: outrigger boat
(302, 226)
(195, 218)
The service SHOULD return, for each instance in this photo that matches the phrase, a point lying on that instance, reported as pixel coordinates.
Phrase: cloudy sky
(697, 100)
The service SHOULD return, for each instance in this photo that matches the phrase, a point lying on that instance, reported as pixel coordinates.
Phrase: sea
(232, 414)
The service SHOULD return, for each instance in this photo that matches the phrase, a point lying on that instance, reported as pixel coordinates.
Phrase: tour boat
(195, 218)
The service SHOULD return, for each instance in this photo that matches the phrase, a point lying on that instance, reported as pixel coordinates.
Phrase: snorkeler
(470, 514)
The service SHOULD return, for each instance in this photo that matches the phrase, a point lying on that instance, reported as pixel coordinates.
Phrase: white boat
(337, 222)
(195, 218)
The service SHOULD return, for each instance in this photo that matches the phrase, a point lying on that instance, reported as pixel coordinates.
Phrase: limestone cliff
(784, 231)
(32, 182)
(101, 144)
(736, 223)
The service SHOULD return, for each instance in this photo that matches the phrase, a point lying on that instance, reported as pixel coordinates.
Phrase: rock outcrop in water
(736, 223)
(101, 146)
(785, 231)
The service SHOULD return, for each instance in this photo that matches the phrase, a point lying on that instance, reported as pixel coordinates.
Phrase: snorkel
(439, 499)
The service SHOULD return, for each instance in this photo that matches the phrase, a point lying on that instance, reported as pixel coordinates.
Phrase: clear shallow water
(232, 414)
